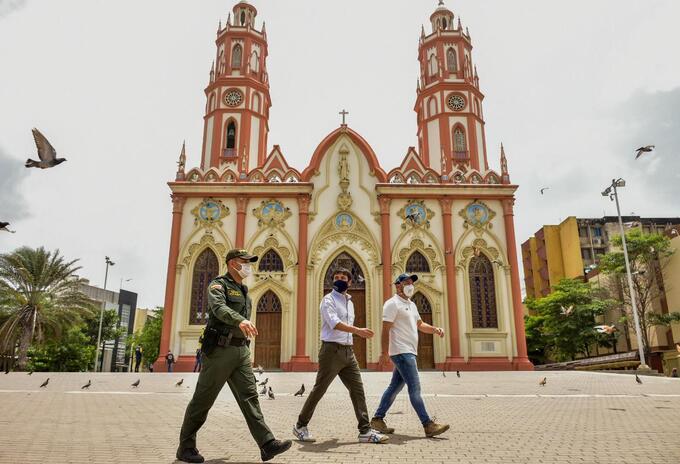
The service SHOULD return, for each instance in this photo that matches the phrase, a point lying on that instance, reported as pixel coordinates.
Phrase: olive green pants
(230, 364)
(337, 360)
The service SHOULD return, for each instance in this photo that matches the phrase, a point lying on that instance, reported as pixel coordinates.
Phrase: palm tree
(40, 295)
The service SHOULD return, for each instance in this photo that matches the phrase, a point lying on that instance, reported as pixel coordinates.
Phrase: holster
(212, 338)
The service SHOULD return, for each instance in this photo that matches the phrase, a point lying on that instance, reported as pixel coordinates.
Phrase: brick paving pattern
(495, 417)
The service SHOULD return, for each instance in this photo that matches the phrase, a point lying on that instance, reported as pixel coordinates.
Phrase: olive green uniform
(228, 305)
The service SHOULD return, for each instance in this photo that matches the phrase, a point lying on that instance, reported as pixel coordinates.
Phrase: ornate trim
(478, 215)
(479, 246)
(427, 251)
(207, 241)
(415, 214)
(356, 233)
(209, 213)
(275, 216)
(273, 242)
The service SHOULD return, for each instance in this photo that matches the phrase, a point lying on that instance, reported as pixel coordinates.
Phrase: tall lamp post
(101, 313)
(611, 192)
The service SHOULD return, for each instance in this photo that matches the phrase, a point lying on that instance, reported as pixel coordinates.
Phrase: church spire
(181, 163)
(505, 176)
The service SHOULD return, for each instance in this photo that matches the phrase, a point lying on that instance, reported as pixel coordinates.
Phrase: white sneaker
(302, 434)
(373, 436)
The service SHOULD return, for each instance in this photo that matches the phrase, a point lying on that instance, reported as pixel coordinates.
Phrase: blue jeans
(405, 372)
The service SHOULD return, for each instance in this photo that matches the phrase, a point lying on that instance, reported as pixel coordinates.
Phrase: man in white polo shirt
(401, 323)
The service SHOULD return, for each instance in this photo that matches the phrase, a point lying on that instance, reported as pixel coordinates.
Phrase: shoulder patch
(216, 287)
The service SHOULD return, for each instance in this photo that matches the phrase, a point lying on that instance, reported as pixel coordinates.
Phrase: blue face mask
(340, 286)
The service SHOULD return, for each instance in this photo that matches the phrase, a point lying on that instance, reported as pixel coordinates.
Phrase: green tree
(73, 353)
(40, 293)
(150, 337)
(648, 256)
(536, 341)
(563, 336)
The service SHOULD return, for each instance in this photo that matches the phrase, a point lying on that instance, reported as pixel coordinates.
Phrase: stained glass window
(417, 263)
(205, 270)
(451, 60)
(270, 262)
(422, 303)
(483, 293)
(459, 140)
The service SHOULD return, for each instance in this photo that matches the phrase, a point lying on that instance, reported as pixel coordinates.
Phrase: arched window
(254, 62)
(236, 54)
(206, 269)
(417, 263)
(451, 61)
(483, 293)
(230, 139)
(270, 262)
(431, 107)
(422, 303)
(443, 23)
(211, 102)
(269, 303)
(256, 102)
(459, 145)
(433, 65)
(243, 17)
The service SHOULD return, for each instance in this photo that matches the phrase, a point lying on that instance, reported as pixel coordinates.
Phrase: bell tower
(236, 121)
(448, 101)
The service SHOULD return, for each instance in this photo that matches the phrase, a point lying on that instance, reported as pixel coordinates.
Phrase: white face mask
(409, 290)
(245, 271)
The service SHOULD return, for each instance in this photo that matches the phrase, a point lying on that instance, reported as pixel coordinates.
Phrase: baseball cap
(404, 276)
(241, 253)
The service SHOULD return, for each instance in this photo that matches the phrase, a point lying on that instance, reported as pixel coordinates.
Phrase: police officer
(225, 345)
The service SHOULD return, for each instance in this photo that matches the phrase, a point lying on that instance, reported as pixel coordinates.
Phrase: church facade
(443, 213)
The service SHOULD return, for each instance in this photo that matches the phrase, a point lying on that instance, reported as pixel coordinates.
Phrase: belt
(239, 342)
(337, 344)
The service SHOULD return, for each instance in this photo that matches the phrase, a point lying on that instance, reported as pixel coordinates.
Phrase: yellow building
(552, 254)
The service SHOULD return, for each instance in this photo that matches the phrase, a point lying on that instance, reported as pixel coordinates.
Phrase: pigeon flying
(638, 379)
(44, 384)
(136, 384)
(608, 329)
(263, 383)
(544, 189)
(543, 382)
(642, 150)
(567, 311)
(87, 385)
(46, 153)
(3, 227)
(301, 391)
(271, 394)
(179, 384)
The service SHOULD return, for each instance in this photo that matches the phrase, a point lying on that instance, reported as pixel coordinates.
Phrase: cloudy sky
(572, 87)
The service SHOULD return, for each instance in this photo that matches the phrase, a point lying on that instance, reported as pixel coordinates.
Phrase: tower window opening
(236, 54)
(444, 23)
(459, 145)
(451, 61)
(433, 65)
(230, 149)
(243, 17)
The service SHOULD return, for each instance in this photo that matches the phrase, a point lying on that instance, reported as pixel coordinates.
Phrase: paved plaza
(495, 417)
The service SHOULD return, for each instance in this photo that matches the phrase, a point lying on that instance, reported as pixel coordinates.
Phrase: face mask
(340, 286)
(245, 271)
(409, 290)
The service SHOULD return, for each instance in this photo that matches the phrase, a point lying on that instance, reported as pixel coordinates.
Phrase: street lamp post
(101, 313)
(612, 193)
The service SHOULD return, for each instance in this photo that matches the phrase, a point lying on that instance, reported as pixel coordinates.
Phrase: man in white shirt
(401, 323)
(336, 358)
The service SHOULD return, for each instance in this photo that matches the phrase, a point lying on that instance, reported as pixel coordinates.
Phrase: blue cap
(404, 276)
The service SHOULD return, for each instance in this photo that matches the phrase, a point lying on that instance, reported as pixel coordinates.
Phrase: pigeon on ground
(30, 372)
(543, 382)
(259, 370)
(301, 391)
(543, 189)
(443, 373)
(4, 227)
(638, 379)
(263, 383)
(44, 384)
(7, 370)
(136, 384)
(271, 394)
(87, 385)
(642, 150)
(458, 374)
(179, 384)
(264, 390)
(46, 153)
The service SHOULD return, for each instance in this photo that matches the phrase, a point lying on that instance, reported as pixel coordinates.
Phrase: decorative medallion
(415, 214)
(210, 212)
(344, 221)
(456, 102)
(477, 214)
(271, 213)
(233, 97)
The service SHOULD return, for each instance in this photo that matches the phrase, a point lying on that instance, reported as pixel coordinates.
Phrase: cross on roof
(343, 113)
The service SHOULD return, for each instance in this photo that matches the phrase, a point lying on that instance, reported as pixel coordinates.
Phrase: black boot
(274, 447)
(189, 455)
